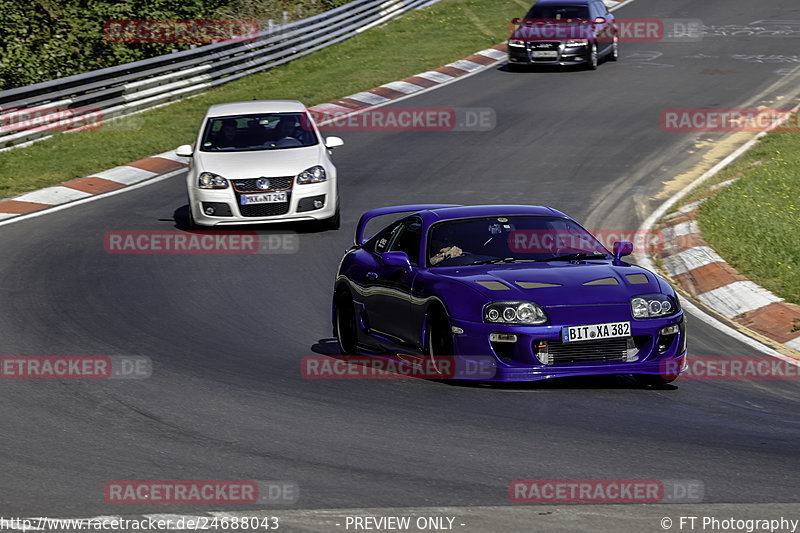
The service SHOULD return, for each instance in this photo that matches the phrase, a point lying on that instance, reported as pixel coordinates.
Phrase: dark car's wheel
(591, 58)
(439, 339)
(345, 319)
(614, 56)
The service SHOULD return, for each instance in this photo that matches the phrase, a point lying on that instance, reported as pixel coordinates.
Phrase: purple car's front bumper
(645, 352)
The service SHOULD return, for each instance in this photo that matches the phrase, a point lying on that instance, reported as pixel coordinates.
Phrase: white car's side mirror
(185, 150)
(333, 142)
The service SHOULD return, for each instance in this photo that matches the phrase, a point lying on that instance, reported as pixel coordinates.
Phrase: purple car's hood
(557, 283)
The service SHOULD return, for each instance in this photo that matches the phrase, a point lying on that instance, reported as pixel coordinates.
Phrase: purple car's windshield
(496, 239)
(268, 131)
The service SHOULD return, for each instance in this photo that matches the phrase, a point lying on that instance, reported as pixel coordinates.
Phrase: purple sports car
(509, 293)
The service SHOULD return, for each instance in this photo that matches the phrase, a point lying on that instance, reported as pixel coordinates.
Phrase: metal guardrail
(115, 92)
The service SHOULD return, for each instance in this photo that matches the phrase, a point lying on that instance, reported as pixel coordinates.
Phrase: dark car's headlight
(516, 42)
(526, 313)
(312, 175)
(653, 306)
(207, 180)
(574, 43)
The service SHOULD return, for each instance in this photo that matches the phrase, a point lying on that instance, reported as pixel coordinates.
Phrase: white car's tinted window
(269, 131)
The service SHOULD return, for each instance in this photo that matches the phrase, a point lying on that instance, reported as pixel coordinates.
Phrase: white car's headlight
(526, 313)
(207, 180)
(652, 306)
(311, 175)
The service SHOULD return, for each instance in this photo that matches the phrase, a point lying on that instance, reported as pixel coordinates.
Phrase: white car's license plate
(593, 332)
(545, 53)
(264, 198)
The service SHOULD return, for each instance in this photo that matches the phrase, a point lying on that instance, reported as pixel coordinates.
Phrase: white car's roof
(255, 106)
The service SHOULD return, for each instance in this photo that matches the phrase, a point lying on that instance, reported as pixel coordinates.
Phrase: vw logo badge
(262, 183)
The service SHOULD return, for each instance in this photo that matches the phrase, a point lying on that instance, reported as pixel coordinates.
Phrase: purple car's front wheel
(346, 333)
(438, 337)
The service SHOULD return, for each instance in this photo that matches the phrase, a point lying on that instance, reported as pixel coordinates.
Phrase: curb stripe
(386, 92)
(159, 165)
(368, 98)
(425, 83)
(708, 277)
(465, 65)
(403, 87)
(92, 185)
(435, 76)
(16, 207)
(774, 321)
(52, 195)
(687, 260)
(738, 298)
(350, 104)
(794, 344)
(125, 175)
(453, 72)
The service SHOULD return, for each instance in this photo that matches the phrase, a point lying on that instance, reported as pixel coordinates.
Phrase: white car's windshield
(268, 131)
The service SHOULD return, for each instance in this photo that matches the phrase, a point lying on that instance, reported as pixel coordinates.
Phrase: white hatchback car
(259, 162)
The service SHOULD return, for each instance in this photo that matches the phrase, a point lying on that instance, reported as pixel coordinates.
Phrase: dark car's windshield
(563, 12)
(268, 131)
(511, 238)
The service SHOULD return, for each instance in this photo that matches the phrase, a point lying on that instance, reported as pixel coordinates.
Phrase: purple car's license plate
(593, 332)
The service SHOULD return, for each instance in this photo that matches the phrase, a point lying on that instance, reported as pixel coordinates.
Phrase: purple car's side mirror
(396, 259)
(622, 248)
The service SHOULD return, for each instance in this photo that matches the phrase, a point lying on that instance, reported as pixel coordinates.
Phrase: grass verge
(420, 40)
(754, 223)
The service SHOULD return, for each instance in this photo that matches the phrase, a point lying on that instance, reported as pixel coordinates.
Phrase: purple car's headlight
(523, 313)
(653, 306)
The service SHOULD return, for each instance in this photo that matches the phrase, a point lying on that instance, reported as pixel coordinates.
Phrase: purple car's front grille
(584, 352)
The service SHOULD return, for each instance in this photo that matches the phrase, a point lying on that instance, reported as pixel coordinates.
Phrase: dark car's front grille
(560, 353)
(275, 184)
(544, 45)
(264, 210)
